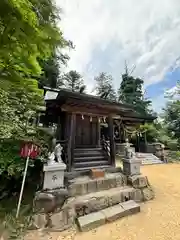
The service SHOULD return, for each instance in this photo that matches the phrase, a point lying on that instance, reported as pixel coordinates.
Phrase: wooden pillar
(71, 141)
(145, 141)
(98, 133)
(58, 132)
(111, 138)
(119, 129)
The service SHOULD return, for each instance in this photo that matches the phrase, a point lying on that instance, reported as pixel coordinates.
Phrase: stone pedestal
(54, 176)
(131, 166)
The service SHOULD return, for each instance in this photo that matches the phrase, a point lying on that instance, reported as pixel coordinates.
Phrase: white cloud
(159, 102)
(146, 33)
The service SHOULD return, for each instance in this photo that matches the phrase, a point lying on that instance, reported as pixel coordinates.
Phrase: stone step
(147, 156)
(84, 184)
(88, 153)
(93, 220)
(93, 163)
(151, 162)
(82, 169)
(94, 202)
(89, 158)
(80, 150)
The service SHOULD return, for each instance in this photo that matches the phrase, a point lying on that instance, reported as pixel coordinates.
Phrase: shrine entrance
(86, 131)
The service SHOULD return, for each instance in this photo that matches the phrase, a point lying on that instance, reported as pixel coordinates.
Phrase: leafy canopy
(131, 92)
(28, 36)
(104, 86)
(73, 81)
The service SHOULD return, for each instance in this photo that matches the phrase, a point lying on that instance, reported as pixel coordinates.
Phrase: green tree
(28, 35)
(104, 86)
(131, 92)
(50, 76)
(73, 81)
(172, 118)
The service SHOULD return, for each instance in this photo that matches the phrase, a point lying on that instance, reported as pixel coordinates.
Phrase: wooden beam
(111, 138)
(91, 111)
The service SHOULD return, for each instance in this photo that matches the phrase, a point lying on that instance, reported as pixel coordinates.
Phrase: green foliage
(171, 117)
(173, 156)
(104, 86)
(73, 81)
(50, 75)
(29, 36)
(17, 108)
(28, 32)
(131, 92)
(151, 132)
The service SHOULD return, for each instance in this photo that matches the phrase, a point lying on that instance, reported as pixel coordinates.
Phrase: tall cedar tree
(73, 81)
(50, 76)
(131, 92)
(104, 86)
(51, 69)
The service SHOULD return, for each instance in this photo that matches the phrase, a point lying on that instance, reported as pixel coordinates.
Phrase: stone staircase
(88, 158)
(90, 200)
(149, 159)
(100, 200)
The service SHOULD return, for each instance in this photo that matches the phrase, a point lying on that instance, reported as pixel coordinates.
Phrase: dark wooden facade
(78, 118)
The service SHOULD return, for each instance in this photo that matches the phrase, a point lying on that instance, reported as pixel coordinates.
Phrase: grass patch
(9, 225)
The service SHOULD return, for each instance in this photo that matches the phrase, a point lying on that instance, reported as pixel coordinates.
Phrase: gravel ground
(159, 219)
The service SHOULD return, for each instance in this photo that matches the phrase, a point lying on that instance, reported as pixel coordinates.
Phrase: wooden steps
(88, 158)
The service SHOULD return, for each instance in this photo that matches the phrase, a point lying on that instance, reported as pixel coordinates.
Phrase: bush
(173, 156)
(12, 165)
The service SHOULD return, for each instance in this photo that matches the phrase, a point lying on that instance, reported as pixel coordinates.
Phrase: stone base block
(110, 214)
(130, 207)
(113, 213)
(62, 220)
(49, 201)
(55, 221)
(39, 221)
(147, 193)
(82, 185)
(131, 167)
(91, 221)
(54, 176)
(138, 181)
(97, 173)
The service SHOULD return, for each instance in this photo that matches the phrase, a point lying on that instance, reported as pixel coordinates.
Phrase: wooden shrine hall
(79, 119)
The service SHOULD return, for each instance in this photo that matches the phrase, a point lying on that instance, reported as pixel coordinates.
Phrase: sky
(144, 33)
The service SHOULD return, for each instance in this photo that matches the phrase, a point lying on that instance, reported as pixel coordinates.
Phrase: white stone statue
(58, 152)
(54, 156)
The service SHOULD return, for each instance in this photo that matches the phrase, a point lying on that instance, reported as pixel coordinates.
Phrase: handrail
(106, 146)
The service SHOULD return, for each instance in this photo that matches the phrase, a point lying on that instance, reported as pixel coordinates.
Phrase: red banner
(29, 149)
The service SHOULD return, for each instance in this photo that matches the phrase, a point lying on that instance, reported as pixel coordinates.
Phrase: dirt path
(159, 219)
